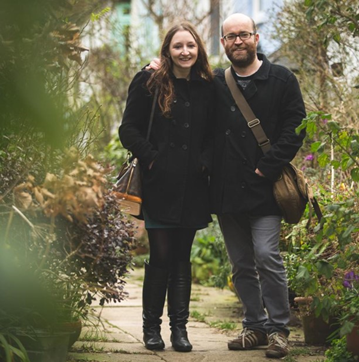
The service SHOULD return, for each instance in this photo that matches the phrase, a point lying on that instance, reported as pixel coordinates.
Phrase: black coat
(275, 98)
(175, 189)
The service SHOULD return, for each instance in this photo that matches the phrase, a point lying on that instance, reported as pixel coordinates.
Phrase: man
(242, 182)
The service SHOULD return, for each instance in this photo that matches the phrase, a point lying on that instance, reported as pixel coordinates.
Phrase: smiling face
(241, 53)
(183, 51)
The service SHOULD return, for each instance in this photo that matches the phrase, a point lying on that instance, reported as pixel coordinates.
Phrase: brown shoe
(248, 339)
(278, 345)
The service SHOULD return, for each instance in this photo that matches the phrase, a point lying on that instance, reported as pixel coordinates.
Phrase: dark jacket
(275, 98)
(175, 189)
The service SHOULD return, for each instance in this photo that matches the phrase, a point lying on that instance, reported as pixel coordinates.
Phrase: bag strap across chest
(263, 141)
(252, 121)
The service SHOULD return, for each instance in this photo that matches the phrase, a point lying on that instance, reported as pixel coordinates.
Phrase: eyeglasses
(244, 35)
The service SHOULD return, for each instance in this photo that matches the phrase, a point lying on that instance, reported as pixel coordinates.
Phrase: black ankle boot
(153, 299)
(179, 292)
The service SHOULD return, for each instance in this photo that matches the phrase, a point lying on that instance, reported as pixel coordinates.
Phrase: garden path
(120, 340)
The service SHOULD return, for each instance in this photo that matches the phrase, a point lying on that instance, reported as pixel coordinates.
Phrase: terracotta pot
(74, 330)
(316, 330)
(353, 340)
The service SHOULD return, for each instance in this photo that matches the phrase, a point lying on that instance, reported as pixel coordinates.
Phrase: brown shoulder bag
(291, 191)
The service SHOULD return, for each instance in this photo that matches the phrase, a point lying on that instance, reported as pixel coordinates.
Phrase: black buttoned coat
(175, 189)
(275, 98)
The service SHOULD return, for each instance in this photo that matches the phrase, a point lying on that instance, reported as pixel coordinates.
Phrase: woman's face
(183, 51)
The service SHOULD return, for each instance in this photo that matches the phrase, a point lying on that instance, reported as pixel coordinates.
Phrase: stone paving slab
(120, 340)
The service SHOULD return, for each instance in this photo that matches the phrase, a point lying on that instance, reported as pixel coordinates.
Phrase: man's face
(241, 53)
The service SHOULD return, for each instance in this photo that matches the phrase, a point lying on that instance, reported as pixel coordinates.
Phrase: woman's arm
(133, 129)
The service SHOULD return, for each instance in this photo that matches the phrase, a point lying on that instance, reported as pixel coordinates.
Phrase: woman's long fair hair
(161, 77)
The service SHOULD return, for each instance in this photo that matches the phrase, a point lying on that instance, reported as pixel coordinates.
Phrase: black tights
(170, 246)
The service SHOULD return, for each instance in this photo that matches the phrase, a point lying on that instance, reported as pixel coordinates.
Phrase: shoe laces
(246, 332)
(278, 339)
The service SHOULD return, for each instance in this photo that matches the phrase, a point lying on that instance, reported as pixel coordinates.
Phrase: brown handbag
(291, 191)
(128, 188)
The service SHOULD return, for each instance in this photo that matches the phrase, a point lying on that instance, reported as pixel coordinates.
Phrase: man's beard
(245, 60)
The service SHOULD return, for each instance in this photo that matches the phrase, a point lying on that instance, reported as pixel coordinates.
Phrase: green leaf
(337, 38)
(302, 126)
(315, 146)
(332, 19)
(334, 126)
(348, 231)
(355, 174)
(346, 328)
(303, 273)
(325, 268)
(311, 129)
(6, 347)
(354, 145)
(335, 164)
(323, 160)
(98, 16)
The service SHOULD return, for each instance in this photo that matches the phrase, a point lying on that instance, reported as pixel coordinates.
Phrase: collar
(194, 76)
(263, 71)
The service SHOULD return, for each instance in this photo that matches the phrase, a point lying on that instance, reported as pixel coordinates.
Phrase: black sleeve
(133, 129)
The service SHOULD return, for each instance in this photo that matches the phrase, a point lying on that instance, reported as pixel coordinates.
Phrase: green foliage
(334, 17)
(39, 45)
(210, 264)
(225, 326)
(59, 221)
(114, 154)
(319, 260)
(11, 348)
(200, 317)
(338, 352)
(334, 139)
(98, 16)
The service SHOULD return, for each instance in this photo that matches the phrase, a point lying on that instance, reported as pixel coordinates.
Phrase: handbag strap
(252, 121)
(152, 114)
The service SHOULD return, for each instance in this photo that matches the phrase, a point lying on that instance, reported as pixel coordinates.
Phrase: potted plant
(69, 235)
(312, 276)
(349, 311)
(322, 270)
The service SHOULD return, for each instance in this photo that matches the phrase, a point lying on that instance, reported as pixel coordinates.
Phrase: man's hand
(259, 173)
(155, 64)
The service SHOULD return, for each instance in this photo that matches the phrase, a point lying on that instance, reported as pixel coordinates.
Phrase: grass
(200, 317)
(223, 325)
(300, 351)
(195, 298)
(87, 348)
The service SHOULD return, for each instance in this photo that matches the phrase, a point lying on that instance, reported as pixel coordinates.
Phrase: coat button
(175, 101)
(244, 134)
(174, 122)
(172, 144)
(186, 125)
(233, 108)
(228, 132)
(184, 147)
(187, 104)
(243, 185)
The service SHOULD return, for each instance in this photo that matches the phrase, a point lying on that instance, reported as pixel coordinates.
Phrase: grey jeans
(258, 272)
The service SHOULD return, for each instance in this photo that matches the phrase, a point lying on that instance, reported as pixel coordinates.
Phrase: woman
(175, 160)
